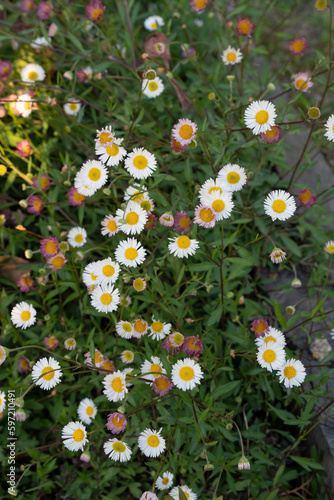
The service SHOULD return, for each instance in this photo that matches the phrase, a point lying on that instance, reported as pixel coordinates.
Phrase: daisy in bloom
(105, 298)
(173, 343)
(128, 377)
(139, 285)
(182, 246)
(140, 163)
(292, 373)
(125, 300)
(205, 216)
(184, 131)
(167, 219)
(25, 282)
(297, 46)
(109, 226)
(260, 116)
(72, 106)
(75, 199)
(43, 183)
(158, 330)
(23, 148)
(32, 73)
(116, 423)
(162, 385)
(329, 247)
(51, 342)
(231, 56)
(24, 105)
(81, 186)
(35, 204)
(127, 357)
(132, 219)
(57, 262)
(70, 344)
(233, 176)
(152, 88)
(117, 450)
(165, 481)
(174, 493)
(135, 193)
(2, 401)
(277, 256)
(23, 315)
(87, 411)
(115, 387)
(130, 253)
(321, 4)
(113, 154)
(221, 204)
(151, 369)
(89, 275)
(75, 436)
(186, 374)
(94, 174)
(271, 356)
(273, 335)
(177, 146)
(313, 113)
(153, 22)
(260, 327)
(199, 5)
(107, 271)
(104, 137)
(302, 82)
(329, 126)
(3, 355)
(49, 247)
(140, 328)
(245, 26)
(193, 346)
(182, 223)
(151, 443)
(307, 198)
(23, 365)
(279, 205)
(40, 42)
(212, 186)
(146, 204)
(124, 329)
(273, 134)
(46, 373)
(95, 11)
(77, 237)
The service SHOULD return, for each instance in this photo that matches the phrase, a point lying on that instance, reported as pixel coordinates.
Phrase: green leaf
(203, 415)
(279, 314)
(273, 494)
(307, 463)
(92, 351)
(226, 388)
(182, 495)
(278, 474)
(318, 306)
(215, 315)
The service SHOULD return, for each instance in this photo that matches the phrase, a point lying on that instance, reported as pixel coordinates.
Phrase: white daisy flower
(117, 450)
(152, 369)
(165, 481)
(24, 105)
(113, 154)
(146, 204)
(130, 253)
(159, 330)
(205, 216)
(109, 226)
(233, 176)
(77, 237)
(273, 335)
(94, 174)
(124, 329)
(23, 315)
(329, 126)
(152, 88)
(87, 411)
(114, 386)
(72, 106)
(174, 493)
(89, 276)
(140, 163)
(32, 73)
(292, 373)
(46, 373)
(105, 298)
(88, 72)
(279, 205)
(271, 356)
(260, 116)
(184, 131)
(212, 186)
(231, 56)
(2, 401)
(151, 443)
(153, 22)
(186, 374)
(107, 271)
(136, 193)
(127, 357)
(81, 186)
(104, 137)
(75, 436)
(182, 246)
(222, 204)
(131, 220)
(127, 372)
(40, 42)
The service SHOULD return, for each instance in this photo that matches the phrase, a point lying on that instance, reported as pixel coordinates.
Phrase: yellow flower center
(96, 14)
(93, 277)
(184, 222)
(37, 205)
(106, 299)
(45, 182)
(98, 357)
(25, 315)
(218, 205)
(215, 188)
(139, 284)
(78, 198)
(33, 75)
(105, 137)
(269, 356)
(27, 105)
(321, 4)
(330, 249)
(301, 84)
(176, 144)
(183, 242)
(153, 25)
(94, 174)
(117, 421)
(186, 373)
(146, 205)
(262, 117)
(231, 57)
(117, 384)
(290, 372)
(112, 150)
(155, 368)
(271, 133)
(244, 27)
(108, 366)
(78, 435)
(186, 132)
(161, 383)
(192, 344)
(112, 226)
(178, 338)
(131, 253)
(132, 218)
(78, 238)
(153, 441)
(297, 46)
(305, 197)
(24, 364)
(27, 280)
(108, 270)
(58, 262)
(165, 479)
(51, 247)
(89, 410)
(260, 327)
(206, 215)
(233, 177)
(200, 4)
(128, 355)
(140, 162)
(127, 327)
(139, 326)
(73, 106)
(269, 339)
(48, 376)
(152, 86)
(279, 206)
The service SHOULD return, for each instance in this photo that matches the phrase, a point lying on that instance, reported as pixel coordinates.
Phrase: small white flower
(109, 226)
(107, 271)
(124, 329)
(117, 450)
(292, 373)
(279, 205)
(271, 356)
(32, 73)
(222, 204)
(152, 369)
(186, 374)
(111, 155)
(165, 481)
(104, 137)
(24, 105)
(40, 42)
(231, 56)
(182, 246)
(212, 186)
(94, 174)
(140, 163)
(72, 106)
(75, 436)
(233, 176)
(87, 411)
(260, 116)
(329, 126)
(134, 218)
(152, 88)
(151, 443)
(81, 186)
(115, 386)
(89, 276)
(159, 330)
(23, 315)
(105, 298)
(153, 22)
(46, 373)
(273, 335)
(77, 237)
(130, 253)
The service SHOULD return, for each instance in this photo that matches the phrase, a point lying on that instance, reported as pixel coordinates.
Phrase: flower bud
(19, 402)
(290, 310)
(229, 426)
(271, 86)
(106, 191)
(208, 467)
(68, 75)
(193, 144)
(85, 457)
(211, 96)
(150, 74)
(13, 491)
(235, 319)
(243, 463)
(28, 254)
(230, 295)
(23, 203)
(121, 409)
(79, 255)
(230, 78)
(296, 283)
(209, 288)
(67, 183)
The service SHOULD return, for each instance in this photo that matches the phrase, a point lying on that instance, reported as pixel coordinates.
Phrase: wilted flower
(307, 198)
(277, 256)
(243, 463)
(51, 342)
(245, 26)
(23, 148)
(23, 365)
(167, 219)
(260, 327)
(95, 11)
(35, 204)
(44, 11)
(5, 69)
